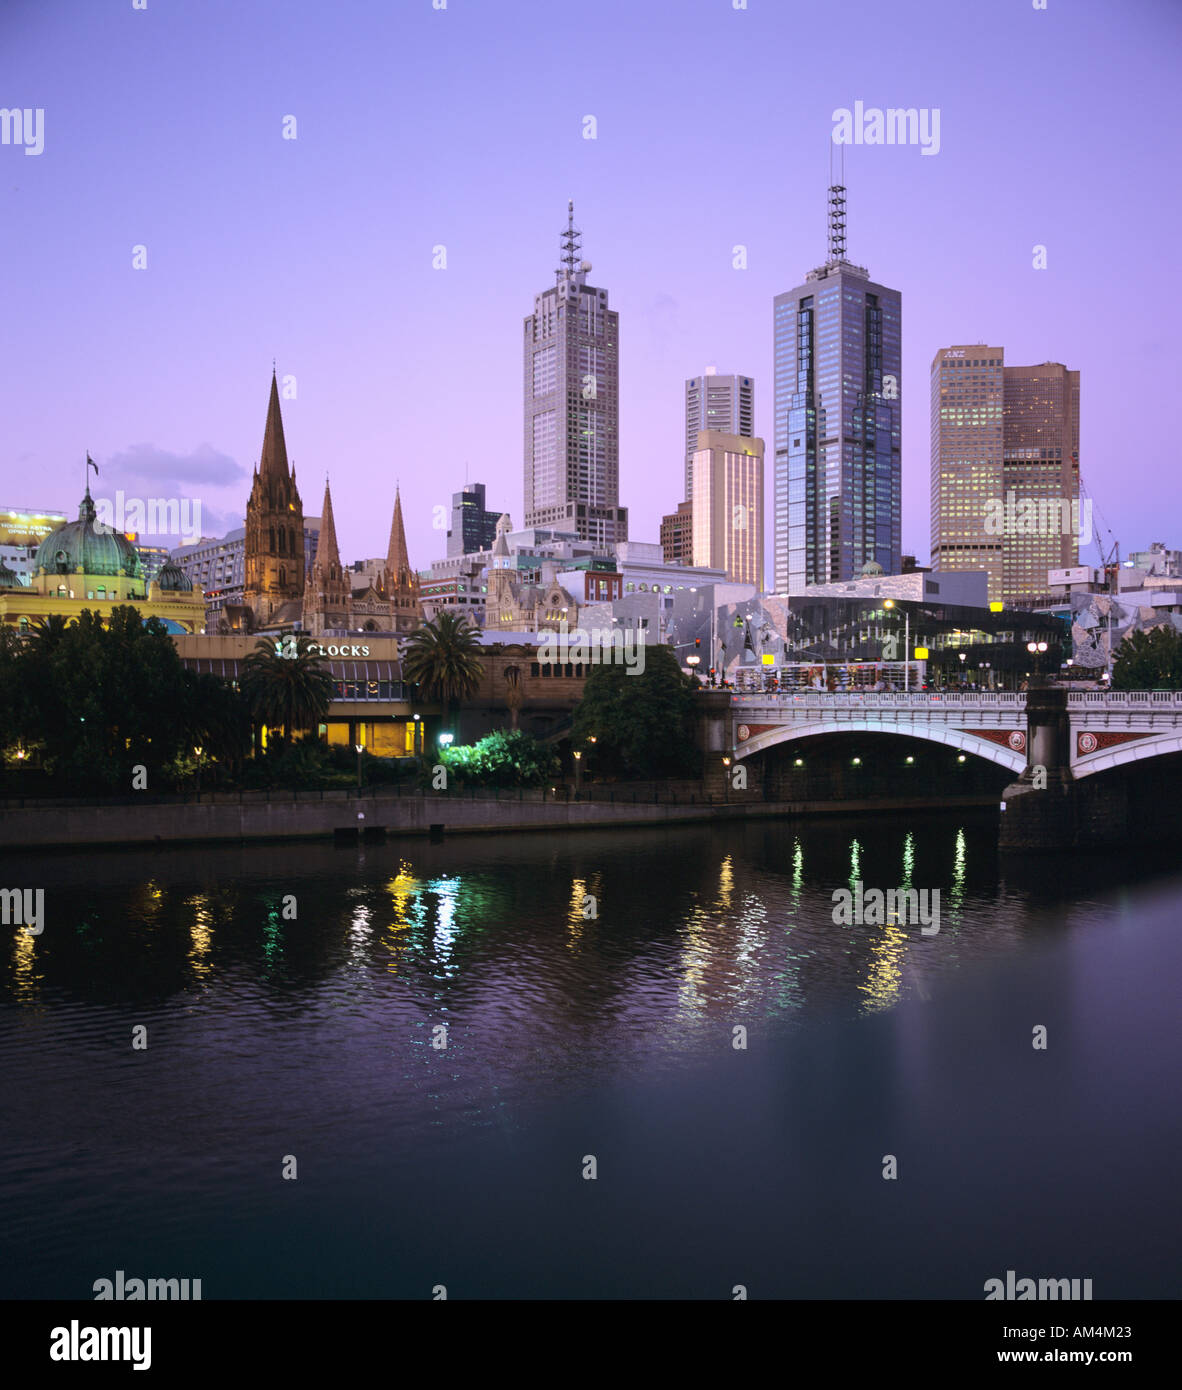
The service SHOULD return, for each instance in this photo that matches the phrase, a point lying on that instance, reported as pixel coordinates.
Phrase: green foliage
(507, 758)
(306, 763)
(443, 659)
(643, 725)
(100, 698)
(218, 720)
(289, 693)
(1149, 661)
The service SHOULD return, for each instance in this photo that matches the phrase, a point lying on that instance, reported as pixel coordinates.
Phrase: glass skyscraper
(572, 406)
(838, 465)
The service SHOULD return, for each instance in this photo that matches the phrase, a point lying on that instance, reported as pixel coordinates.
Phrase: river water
(591, 986)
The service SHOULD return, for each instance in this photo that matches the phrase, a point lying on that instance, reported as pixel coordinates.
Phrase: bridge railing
(924, 699)
(979, 699)
(1125, 699)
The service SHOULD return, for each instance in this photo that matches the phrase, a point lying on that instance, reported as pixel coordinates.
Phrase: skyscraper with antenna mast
(837, 466)
(572, 405)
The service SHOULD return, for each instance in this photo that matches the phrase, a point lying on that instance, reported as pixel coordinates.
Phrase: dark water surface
(571, 1035)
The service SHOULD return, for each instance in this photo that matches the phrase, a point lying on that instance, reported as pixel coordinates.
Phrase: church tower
(328, 599)
(274, 529)
(399, 582)
(500, 603)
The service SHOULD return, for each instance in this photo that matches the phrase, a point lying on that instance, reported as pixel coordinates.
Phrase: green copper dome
(88, 545)
(173, 580)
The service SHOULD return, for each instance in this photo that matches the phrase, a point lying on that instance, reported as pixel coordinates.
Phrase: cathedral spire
(274, 459)
(327, 553)
(397, 558)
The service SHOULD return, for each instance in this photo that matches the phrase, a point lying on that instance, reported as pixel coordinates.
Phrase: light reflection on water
(293, 991)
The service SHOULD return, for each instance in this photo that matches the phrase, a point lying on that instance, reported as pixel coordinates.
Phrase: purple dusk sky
(464, 127)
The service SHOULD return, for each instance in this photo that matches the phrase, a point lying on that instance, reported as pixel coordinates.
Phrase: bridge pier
(1047, 809)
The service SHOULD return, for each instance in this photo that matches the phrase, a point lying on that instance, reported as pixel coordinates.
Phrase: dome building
(86, 564)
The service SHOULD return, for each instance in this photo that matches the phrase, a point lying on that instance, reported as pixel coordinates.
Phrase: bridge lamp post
(1036, 649)
(890, 603)
(726, 778)
(693, 662)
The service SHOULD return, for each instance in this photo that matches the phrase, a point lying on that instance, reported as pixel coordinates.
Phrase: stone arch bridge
(1081, 731)
(1052, 740)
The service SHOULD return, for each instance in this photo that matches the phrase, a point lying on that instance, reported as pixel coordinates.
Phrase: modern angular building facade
(572, 409)
(1004, 469)
(838, 465)
(713, 402)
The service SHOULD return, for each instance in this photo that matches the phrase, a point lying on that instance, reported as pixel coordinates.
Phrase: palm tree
(48, 631)
(291, 691)
(514, 694)
(442, 659)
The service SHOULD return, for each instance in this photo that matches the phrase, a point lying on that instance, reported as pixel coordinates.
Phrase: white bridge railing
(1143, 701)
(1125, 699)
(927, 699)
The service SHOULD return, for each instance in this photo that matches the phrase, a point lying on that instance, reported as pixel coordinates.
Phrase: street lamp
(578, 754)
(360, 749)
(726, 778)
(890, 603)
(198, 750)
(418, 718)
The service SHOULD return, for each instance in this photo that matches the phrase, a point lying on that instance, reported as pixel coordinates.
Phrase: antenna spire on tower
(837, 222)
(571, 241)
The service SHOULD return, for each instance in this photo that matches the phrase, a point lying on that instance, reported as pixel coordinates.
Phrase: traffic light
(697, 643)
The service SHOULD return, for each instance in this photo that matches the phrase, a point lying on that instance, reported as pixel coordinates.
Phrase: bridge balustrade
(1125, 699)
(925, 699)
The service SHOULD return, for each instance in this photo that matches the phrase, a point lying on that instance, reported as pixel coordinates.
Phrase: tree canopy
(1149, 661)
(643, 725)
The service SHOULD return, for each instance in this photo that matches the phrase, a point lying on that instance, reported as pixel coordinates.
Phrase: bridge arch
(1155, 746)
(966, 742)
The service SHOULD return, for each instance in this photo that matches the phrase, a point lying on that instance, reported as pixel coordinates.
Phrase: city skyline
(164, 365)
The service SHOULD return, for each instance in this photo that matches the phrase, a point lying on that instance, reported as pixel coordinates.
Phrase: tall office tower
(1041, 468)
(572, 405)
(1004, 470)
(838, 466)
(727, 506)
(713, 402)
(968, 384)
(472, 527)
